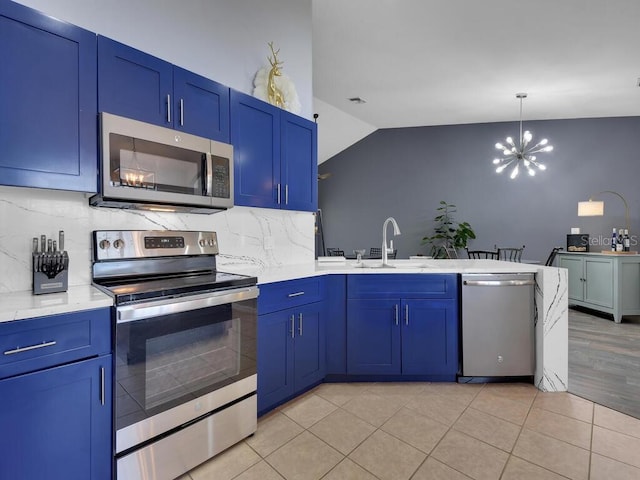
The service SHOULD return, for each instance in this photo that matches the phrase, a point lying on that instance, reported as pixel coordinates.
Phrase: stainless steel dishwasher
(498, 314)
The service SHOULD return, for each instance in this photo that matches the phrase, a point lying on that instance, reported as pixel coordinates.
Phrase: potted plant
(448, 232)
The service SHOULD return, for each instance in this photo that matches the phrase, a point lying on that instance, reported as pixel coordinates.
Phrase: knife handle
(35, 245)
(49, 245)
(61, 240)
(43, 243)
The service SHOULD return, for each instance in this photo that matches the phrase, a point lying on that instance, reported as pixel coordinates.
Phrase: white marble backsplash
(247, 237)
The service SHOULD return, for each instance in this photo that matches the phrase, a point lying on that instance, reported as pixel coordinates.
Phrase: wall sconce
(593, 208)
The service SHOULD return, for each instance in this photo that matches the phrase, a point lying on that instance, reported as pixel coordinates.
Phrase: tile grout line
(511, 454)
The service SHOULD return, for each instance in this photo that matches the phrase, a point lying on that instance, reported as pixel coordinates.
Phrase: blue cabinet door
(255, 135)
(134, 84)
(291, 353)
(201, 105)
(336, 324)
(47, 102)
(275, 358)
(299, 162)
(309, 346)
(429, 337)
(55, 424)
(137, 85)
(373, 336)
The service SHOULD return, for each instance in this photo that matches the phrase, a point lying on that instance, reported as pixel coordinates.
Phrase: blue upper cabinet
(201, 105)
(299, 165)
(48, 126)
(137, 85)
(275, 156)
(133, 84)
(255, 135)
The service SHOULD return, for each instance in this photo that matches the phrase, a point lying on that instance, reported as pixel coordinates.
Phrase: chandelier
(524, 153)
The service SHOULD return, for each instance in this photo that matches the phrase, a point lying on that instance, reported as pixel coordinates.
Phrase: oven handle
(140, 311)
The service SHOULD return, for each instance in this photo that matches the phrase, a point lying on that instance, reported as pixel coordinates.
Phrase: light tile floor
(433, 431)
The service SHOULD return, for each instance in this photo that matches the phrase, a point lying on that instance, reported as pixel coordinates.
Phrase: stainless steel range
(185, 350)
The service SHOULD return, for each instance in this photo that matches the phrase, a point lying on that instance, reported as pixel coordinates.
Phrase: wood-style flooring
(604, 360)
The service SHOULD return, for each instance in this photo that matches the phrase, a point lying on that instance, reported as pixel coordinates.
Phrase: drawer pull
(300, 325)
(297, 294)
(293, 326)
(31, 347)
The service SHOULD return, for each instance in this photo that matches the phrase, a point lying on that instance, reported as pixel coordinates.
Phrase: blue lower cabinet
(391, 334)
(336, 324)
(291, 353)
(373, 337)
(56, 423)
(429, 337)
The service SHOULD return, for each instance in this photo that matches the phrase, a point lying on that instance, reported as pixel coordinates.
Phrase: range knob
(201, 242)
(118, 243)
(104, 244)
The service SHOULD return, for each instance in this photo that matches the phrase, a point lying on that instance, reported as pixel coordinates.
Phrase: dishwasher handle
(498, 283)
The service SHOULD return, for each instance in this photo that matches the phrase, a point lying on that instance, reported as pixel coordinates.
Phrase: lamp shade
(590, 209)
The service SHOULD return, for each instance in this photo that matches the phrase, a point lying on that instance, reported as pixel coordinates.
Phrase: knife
(43, 243)
(61, 240)
(36, 262)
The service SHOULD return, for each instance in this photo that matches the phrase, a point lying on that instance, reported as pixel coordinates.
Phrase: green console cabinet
(608, 283)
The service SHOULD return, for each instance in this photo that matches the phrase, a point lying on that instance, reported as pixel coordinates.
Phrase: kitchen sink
(392, 264)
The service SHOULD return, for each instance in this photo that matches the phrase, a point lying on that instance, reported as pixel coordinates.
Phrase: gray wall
(405, 172)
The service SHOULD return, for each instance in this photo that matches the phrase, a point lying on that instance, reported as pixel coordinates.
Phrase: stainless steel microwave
(148, 167)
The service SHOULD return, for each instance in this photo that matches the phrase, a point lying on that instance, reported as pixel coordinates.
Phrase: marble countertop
(20, 305)
(289, 272)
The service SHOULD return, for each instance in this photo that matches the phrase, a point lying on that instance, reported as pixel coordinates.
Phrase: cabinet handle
(300, 324)
(101, 385)
(208, 175)
(396, 312)
(168, 108)
(278, 187)
(297, 294)
(181, 112)
(286, 194)
(406, 315)
(30, 347)
(293, 328)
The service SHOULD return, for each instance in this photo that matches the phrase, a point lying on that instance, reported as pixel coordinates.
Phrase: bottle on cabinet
(614, 240)
(626, 242)
(619, 245)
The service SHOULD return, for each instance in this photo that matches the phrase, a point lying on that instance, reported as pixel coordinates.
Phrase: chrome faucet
(385, 250)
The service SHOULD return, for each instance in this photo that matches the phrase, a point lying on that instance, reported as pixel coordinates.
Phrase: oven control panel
(130, 244)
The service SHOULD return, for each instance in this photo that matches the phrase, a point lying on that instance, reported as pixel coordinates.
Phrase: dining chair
(482, 254)
(510, 254)
(375, 252)
(552, 256)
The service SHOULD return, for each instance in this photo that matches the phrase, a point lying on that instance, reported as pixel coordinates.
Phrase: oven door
(178, 360)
